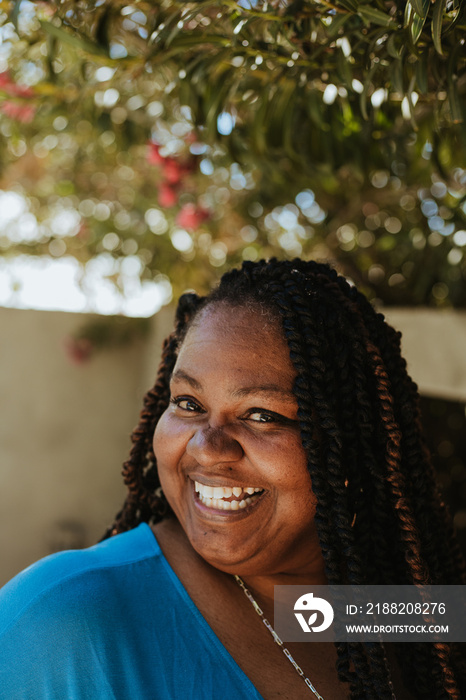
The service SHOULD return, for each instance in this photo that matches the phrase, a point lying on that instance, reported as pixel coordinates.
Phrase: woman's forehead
(246, 322)
(239, 338)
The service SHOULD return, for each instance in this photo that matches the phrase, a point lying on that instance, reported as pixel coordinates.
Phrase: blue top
(112, 622)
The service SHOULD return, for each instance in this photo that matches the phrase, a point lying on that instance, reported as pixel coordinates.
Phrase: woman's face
(228, 447)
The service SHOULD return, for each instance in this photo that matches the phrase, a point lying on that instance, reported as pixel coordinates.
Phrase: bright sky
(63, 284)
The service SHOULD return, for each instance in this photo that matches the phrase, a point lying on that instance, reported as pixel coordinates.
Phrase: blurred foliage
(173, 133)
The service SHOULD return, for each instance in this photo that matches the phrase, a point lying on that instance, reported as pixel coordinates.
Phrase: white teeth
(223, 491)
(220, 504)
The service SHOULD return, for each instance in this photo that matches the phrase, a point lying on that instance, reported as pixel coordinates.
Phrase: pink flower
(11, 88)
(191, 216)
(46, 9)
(21, 90)
(79, 350)
(172, 171)
(5, 80)
(167, 196)
(153, 154)
(19, 112)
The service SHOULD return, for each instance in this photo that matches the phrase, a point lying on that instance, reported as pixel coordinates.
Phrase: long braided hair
(379, 516)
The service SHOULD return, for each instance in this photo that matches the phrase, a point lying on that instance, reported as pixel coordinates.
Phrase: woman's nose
(210, 446)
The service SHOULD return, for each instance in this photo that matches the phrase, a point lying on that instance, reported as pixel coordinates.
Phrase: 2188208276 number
(424, 608)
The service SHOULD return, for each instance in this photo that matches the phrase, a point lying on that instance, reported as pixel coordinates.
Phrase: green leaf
(52, 45)
(218, 103)
(397, 76)
(337, 23)
(421, 7)
(408, 14)
(409, 95)
(288, 123)
(436, 28)
(76, 42)
(364, 93)
(392, 49)
(456, 13)
(350, 5)
(344, 69)
(14, 14)
(259, 122)
(184, 42)
(372, 16)
(103, 29)
(416, 26)
(421, 72)
(454, 101)
(315, 108)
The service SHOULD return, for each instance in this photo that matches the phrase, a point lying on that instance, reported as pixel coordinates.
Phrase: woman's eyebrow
(180, 375)
(264, 389)
(267, 390)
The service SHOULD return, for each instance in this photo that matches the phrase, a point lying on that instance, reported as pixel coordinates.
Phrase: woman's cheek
(161, 439)
(170, 438)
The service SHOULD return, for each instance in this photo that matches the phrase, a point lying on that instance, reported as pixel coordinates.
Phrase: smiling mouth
(227, 497)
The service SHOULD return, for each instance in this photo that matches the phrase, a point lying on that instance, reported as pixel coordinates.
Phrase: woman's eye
(186, 404)
(263, 417)
(258, 415)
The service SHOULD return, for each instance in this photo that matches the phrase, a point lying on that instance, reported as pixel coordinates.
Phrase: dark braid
(379, 516)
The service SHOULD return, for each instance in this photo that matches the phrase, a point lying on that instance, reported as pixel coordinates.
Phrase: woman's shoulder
(68, 620)
(54, 580)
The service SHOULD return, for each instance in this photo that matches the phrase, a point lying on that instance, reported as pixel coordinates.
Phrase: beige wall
(434, 344)
(64, 431)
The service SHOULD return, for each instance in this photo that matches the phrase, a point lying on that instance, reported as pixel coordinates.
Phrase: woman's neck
(262, 587)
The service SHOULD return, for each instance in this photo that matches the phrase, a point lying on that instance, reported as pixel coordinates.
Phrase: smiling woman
(232, 424)
(281, 444)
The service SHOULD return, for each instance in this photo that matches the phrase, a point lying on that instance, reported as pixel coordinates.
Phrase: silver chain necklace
(276, 638)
